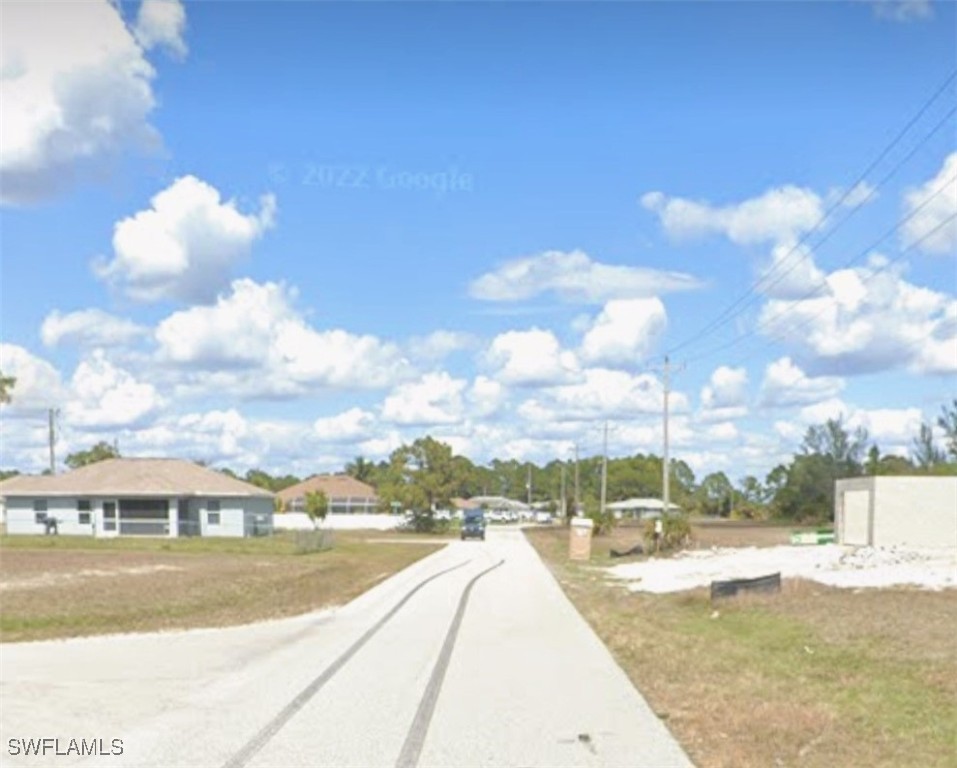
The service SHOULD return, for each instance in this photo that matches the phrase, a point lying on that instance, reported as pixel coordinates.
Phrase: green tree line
(426, 475)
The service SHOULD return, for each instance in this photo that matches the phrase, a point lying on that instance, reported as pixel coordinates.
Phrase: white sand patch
(832, 564)
(51, 579)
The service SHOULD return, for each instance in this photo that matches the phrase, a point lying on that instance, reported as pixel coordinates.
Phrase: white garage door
(856, 512)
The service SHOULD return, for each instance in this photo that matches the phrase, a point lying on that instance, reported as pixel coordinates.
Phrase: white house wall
(856, 528)
(897, 511)
(258, 519)
(915, 511)
(231, 517)
(237, 516)
(21, 517)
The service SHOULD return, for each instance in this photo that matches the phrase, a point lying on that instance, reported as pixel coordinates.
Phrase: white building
(888, 511)
(137, 497)
(641, 508)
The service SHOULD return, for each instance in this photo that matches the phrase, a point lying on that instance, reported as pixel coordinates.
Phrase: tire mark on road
(255, 744)
(414, 741)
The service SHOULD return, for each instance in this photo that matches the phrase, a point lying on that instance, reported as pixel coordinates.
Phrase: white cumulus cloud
(934, 216)
(870, 319)
(185, 245)
(792, 274)
(575, 277)
(601, 394)
(485, 397)
(255, 342)
(786, 384)
(624, 332)
(531, 358)
(89, 327)
(440, 344)
(903, 10)
(780, 215)
(727, 388)
(106, 396)
(436, 398)
(347, 427)
(76, 90)
(38, 384)
(162, 23)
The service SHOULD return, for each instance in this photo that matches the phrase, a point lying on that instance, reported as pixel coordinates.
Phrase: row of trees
(427, 475)
(803, 489)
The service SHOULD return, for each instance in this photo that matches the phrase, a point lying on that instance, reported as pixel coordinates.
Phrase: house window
(83, 505)
(212, 518)
(40, 505)
(84, 518)
(212, 505)
(39, 517)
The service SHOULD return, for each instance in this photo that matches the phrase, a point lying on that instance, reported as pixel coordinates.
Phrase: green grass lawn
(65, 586)
(812, 676)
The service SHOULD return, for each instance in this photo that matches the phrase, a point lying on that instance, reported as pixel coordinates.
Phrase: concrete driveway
(471, 657)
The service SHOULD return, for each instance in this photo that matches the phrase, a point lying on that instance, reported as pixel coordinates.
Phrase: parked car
(473, 524)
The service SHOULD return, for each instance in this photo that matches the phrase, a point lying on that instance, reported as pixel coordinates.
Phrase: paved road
(472, 657)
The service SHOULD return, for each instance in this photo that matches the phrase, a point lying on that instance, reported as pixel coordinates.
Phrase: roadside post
(579, 542)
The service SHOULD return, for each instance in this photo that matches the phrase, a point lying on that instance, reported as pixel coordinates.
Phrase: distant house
(498, 502)
(641, 508)
(346, 495)
(137, 497)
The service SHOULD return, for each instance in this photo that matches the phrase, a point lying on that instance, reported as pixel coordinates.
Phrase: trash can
(579, 542)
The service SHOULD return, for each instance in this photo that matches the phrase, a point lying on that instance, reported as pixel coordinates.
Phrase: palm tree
(361, 468)
(7, 383)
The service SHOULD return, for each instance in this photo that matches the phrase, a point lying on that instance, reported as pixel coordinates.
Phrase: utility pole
(665, 473)
(604, 470)
(52, 419)
(564, 502)
(666, 462)
(577, 494)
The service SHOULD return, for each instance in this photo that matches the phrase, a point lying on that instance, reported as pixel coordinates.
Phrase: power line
(870, 194)
(729, 312)
(750, 296)
(815, 292)
(807, 319)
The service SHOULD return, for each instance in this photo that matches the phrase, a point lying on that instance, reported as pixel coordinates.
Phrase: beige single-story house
(346, 495)
(137, 497)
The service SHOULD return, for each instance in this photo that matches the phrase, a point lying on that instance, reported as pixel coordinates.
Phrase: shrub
(317, 505)
(676, 532)
(425, 521)
(750, 512)
(604, 522)
(307, 542)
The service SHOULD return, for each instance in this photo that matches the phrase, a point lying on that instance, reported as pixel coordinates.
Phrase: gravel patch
(832, 564)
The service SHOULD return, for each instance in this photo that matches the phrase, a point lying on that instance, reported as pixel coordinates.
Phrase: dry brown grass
(813, 676)
(52, 592)
(705, 534)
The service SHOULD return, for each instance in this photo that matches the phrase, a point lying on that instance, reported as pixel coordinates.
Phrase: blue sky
(284, 235)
